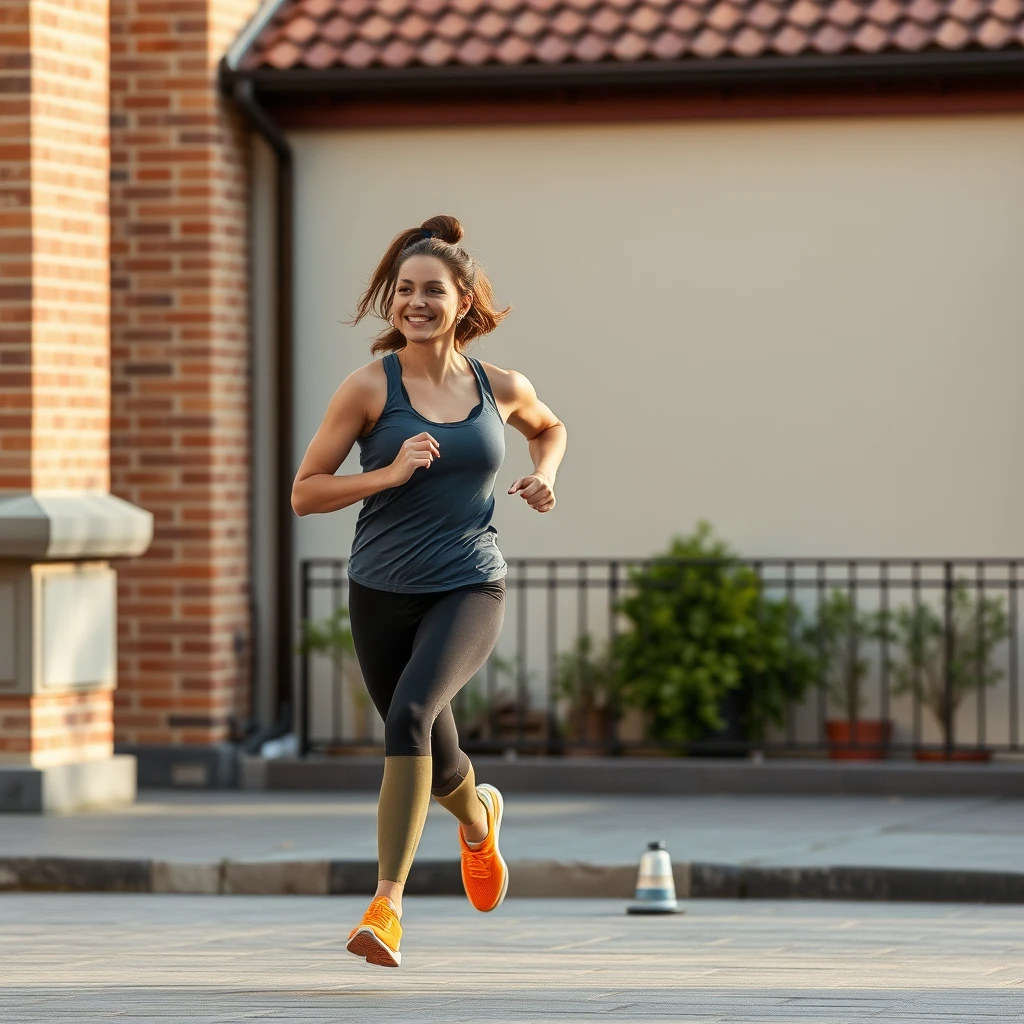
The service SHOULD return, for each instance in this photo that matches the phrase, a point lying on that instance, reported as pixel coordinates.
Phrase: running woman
(427, 581)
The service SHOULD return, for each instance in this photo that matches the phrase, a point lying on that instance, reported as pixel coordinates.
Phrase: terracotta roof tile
(412, 28)
(284, 55)
(925, 11)
(529, 24)
(885, 12)
(452, 27)
(830, 39)
(668, 45)
(871, 38)
(397, 54)
(473, 51)
(591, 48)
(1008, 10)
(994, 34)
(845, 13)
(491, 25)
(750, 42)
(684, 18)
(805, 13)
(322, 8)
(765, 15)
(320, 34)
(724, 16)
(338, 30)
(552, 49)
(320, 55)
(966, 10)
(376, 29)
(952, 35)
(911, 36)
(709, 43)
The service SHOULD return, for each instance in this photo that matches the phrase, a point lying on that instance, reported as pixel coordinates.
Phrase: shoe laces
(379, 914)
(478, 862)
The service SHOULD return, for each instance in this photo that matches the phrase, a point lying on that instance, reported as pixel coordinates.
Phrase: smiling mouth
(418, 321)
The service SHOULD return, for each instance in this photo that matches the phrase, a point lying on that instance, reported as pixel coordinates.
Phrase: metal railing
(595, 651)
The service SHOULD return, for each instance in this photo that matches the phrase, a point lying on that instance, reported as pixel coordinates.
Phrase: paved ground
(142, 959)
(975, 833)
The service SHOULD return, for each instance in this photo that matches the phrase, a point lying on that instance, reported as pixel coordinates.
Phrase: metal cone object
(655, 886)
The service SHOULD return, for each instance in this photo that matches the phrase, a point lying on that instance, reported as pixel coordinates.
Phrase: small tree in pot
(977, 625)
(586, 678)
(704, 634)
(332, 637)
(838, 638)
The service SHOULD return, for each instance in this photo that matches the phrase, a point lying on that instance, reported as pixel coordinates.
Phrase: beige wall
(808, 332)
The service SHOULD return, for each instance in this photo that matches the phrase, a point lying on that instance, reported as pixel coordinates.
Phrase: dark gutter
(720, 71)
(243, 92)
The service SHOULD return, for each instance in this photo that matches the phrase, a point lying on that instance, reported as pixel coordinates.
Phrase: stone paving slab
(144, 959)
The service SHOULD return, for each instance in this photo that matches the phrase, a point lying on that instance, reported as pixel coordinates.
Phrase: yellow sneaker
(378, 936)
(484, 872)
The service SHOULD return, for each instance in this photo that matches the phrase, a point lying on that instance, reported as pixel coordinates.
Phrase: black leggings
(416, 651)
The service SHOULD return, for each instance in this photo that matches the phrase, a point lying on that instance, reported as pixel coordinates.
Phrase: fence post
(303, 716)
(949, 638)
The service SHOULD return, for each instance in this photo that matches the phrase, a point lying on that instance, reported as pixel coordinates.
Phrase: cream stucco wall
(808, 332)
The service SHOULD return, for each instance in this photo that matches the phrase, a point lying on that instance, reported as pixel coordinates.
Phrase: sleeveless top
(433, 532)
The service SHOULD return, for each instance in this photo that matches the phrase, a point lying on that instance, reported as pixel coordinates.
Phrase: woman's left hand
(537, 490)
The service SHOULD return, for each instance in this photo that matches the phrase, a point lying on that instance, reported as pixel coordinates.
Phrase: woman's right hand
(418, 451)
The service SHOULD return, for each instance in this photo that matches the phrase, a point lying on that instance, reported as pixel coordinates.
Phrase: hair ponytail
(438, 237)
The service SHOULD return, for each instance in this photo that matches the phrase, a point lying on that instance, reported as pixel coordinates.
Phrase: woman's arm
(545, 432)
(351, 409)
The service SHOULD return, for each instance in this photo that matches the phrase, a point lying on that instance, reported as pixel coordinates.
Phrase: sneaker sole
(366, 944)
(499, 810)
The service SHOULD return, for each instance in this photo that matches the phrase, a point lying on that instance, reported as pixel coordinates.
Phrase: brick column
(57, 647)
(180, 340)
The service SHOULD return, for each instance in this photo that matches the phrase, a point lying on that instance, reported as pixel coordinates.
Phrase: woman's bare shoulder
(509, 386)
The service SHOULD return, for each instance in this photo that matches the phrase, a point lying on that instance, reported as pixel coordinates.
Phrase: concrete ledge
(65, 788)
(537, 879)
(673, 776)
(184, 767)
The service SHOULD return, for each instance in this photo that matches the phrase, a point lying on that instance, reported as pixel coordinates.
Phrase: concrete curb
(685, 776)
(537, 879)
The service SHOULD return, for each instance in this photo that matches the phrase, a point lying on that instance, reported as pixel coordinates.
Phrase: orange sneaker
(378, 936)
(484, 872)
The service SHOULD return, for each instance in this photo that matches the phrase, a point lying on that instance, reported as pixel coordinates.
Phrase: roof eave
(806, 70)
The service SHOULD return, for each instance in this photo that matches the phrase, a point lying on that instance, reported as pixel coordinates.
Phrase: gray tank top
(433, 532)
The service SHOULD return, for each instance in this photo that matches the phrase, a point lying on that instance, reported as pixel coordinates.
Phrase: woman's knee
(407, 730)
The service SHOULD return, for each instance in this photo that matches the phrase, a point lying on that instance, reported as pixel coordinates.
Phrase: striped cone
(655, 886)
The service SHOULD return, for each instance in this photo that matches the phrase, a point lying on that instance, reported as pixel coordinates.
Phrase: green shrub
(701, 631)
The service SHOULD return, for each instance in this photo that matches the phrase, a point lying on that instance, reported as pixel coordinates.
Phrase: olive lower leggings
(415, 652)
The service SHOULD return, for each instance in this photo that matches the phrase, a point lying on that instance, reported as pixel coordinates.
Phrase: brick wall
(60, 728)
(54, 278)
(15, 251)
(180, 368)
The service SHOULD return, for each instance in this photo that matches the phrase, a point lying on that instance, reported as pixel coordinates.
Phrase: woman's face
(426, 300)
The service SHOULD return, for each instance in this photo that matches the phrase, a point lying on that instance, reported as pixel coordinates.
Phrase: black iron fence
(858, 658)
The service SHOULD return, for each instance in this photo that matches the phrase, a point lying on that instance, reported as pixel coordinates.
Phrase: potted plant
(837, 638)
(977, 625)
(586, 678)
(332, 637)
(704, 634)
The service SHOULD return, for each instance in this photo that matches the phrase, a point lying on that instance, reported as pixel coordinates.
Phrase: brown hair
(438, 237)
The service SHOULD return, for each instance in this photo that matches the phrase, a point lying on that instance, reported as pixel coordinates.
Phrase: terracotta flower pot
(954, 755)
(869, 742)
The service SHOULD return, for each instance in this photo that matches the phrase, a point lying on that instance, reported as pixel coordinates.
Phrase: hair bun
(448, 229)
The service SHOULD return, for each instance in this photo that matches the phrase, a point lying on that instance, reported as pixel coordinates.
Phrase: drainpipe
(244, 96)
